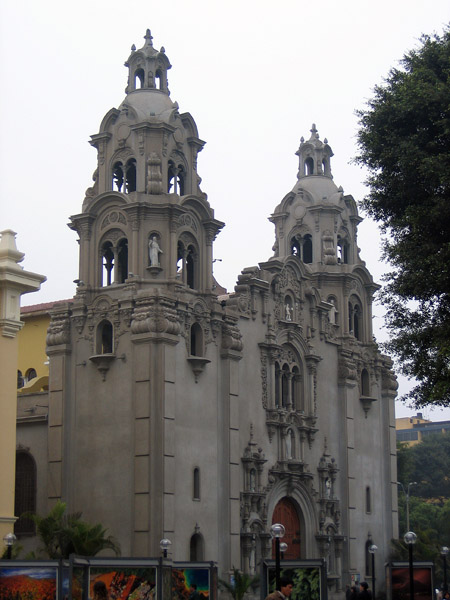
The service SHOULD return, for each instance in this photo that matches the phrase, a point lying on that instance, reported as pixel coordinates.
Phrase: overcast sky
(254, 74)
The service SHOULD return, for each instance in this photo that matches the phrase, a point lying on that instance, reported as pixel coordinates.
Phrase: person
(100, 591)
(364, 592)
(286, 585)
(351, 593)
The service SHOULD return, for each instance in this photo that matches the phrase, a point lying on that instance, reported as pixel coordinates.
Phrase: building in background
(174, 412)
(412, 430)
(14, 282)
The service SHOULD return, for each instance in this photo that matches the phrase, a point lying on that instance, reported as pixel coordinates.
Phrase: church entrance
(286, 513)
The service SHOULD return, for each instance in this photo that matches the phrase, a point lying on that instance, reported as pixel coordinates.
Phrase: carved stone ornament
(154, 175)
(112, 218)
(152, 316)
(59, 330)
(187, 221)
(231, 337)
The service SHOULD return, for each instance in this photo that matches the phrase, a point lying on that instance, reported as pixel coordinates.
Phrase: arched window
(309, 166)
(196, 548)
(118, 176)
(30, 374)
(197, 340)
(190, 267)
(176, 178)
(307, 250)
(297, 396)
(107, 263)
(158, 79)
(295, 247)
(285, 386)
(277, 385)
(20, 380)
(342, 250)
(355, 318)
(365, 383)
(139, 79)
(181, 175)
(105, 338)
(196, 484)
(25, 493)
(130, 176)
(122, 255)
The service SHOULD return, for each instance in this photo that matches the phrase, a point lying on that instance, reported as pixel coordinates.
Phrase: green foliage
(64, 534)
(241, 583)
(306, 584)
(427, 463)
(404, 141)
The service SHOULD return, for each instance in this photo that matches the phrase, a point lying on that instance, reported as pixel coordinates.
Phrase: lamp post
(410, 538)
(9, 540)
(283, 548)
(165, 544)
(444, 552)
(277, 531)
(407, 496)
(372, 550)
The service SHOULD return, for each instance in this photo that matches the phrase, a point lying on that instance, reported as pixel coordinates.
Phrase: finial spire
(314, 132)
(148, 38)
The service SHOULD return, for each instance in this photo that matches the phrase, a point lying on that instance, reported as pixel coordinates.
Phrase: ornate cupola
(147, 68)
(145, 220)
(314, 156)
(316, 222)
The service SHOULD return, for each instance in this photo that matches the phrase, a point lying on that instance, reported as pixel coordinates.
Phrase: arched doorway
(286, 513)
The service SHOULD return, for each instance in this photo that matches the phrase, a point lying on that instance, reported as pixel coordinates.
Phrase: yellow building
(32, 372)
(412, 430)
(14, 282)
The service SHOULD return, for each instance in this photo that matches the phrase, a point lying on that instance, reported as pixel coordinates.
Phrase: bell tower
(145, 220)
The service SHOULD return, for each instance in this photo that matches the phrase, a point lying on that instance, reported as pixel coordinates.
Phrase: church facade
(178, 413)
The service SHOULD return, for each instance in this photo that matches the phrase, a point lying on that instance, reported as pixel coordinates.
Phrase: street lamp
(372, 550)
(410, 538)
(283, 548)
(407, 495)
(165, 544)
(277, 531)
(9, 540)
(444, 552)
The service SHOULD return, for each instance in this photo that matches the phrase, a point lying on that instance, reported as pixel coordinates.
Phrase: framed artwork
(33, 582)
(190, 583)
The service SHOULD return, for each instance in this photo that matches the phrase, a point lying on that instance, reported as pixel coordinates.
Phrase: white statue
(288, 312)
(153, 251)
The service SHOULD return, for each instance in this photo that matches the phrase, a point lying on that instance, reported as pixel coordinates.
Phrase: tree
(64, 534)
(404, 141)
(240, 584)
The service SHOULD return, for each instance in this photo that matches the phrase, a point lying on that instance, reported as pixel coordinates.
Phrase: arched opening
(108, 263)
(104, 338)
(122, 257)
(117, 177)
(277, 385)
(130, 176)
(20, 380)
(342, 251)
(30, 374)
(25, 493)
(181, 178)
(139, 79)
(170, 177)
(196, 484)
(297, 399)
(196, 548)
(285, 386)
(197, 340)
(158, 79)
(307, 249)
(355, 317)
(286, 513)
(309, 166)
(190, 267)
(365, 383)
(295, 247)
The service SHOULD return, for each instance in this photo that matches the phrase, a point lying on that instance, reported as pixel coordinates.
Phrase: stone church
(179, 412)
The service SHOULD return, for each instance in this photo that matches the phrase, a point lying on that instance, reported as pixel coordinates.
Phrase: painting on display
(190, 584)
(423, 583)
(126, 583)
(32, 583)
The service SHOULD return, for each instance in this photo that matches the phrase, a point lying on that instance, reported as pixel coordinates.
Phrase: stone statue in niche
(154, 251)
(332, 311)
(288, 446)
(288, 313)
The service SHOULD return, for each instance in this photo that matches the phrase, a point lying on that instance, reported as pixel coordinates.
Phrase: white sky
(254, 74)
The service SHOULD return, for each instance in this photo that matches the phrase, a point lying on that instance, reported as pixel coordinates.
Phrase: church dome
(148, 103)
